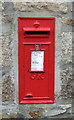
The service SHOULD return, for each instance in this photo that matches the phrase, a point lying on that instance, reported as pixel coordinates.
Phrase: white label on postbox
(37, 61)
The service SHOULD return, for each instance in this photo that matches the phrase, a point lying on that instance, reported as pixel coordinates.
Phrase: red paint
(36, 86)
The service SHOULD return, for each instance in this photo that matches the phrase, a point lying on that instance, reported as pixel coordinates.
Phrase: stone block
(6, 50)
(7, 89)
(58, 7)
(66, 86)
(50, 6)
(68, 21)
(66, 47)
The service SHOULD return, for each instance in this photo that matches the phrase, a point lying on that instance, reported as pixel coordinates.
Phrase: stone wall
(62, 11)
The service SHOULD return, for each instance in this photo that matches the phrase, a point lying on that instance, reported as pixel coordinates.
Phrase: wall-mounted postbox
(36, 59)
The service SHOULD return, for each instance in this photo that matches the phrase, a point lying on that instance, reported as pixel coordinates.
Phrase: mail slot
(36, 32)
(36, 50)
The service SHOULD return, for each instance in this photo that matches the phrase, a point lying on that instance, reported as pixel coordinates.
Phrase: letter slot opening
(36, 33)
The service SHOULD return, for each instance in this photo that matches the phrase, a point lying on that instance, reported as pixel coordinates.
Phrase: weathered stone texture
(7, 18)
(6, 48)
(66, 78)
(35, 114)
(7, 68)
(67, 47)
(66, 65)
(50, 6)
(68, 21)
(7, 59)
(58, 7)
(45, 110)
(7, 89)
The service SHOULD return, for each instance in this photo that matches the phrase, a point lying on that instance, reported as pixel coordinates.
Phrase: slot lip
(36, 29)
(37, 98)
(36, 36)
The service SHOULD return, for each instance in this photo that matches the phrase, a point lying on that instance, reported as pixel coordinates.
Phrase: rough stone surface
(68, 21)
(67, 47)
(58, 7)
(62, 11)
(7, 54)
(66, 77)
(8, 89)
(7, 85)
(66, 72)
(50, 6)
(45, 110)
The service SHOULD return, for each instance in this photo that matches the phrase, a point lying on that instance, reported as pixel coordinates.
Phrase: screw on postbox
(36, 50)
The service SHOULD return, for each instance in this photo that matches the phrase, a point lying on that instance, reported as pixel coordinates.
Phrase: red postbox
(36, 43)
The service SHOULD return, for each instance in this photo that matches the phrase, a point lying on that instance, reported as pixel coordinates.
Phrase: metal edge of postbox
(28, 29)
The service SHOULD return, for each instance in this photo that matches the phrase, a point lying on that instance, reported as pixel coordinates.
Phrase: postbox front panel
(36, 59)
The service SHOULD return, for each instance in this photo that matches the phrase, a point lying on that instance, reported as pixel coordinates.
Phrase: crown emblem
(36, 24)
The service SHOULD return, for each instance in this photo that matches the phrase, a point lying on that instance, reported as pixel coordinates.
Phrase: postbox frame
(42, 100)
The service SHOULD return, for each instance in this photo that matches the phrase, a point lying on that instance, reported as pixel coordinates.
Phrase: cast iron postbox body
(36, 59)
